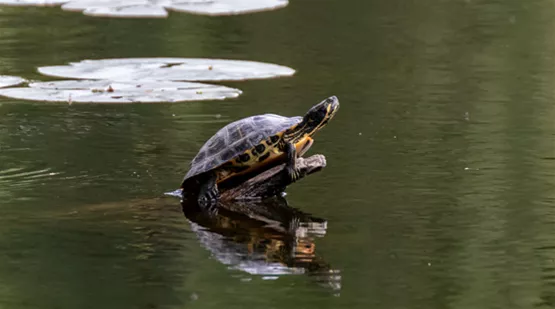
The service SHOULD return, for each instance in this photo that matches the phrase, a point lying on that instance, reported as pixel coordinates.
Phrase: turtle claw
(294, 174)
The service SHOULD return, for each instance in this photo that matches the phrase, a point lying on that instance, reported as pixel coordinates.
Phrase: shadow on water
(266, 238)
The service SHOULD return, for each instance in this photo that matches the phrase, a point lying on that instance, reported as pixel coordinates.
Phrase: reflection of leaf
(178, 69)
(105, 91)
(8, 81)
(155, 8)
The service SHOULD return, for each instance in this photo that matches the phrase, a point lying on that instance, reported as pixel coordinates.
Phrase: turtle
(250, 144)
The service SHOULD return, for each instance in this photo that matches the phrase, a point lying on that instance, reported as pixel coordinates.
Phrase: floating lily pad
(8, 81)
(228, 7)
(105, 91)
(174, 69)
(129, 11)
(81, 5)
(154, 8)
(32, 2)
(122, 8)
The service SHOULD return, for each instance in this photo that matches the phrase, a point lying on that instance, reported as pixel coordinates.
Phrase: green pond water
(439, 190)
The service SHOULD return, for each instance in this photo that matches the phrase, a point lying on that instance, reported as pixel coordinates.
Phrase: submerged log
(273, 181)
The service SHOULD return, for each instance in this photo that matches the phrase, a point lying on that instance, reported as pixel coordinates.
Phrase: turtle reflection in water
(252, 144)
(264, 238)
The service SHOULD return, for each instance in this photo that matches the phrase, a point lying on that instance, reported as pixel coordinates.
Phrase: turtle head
(319, 115)
(315, 119)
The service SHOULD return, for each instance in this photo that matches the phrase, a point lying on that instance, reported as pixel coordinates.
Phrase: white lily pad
(155, 8)
(130, 11)
(8, 81)
(33, 2)
(115, 8)
(81, 5)
(120, 8)
(106, 91)
(174, 69)
(228, 7)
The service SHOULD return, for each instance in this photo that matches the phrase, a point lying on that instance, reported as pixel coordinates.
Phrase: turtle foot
(294, 174)
(209, 198)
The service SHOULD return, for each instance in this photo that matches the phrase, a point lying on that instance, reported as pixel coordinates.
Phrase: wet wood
(273, 181)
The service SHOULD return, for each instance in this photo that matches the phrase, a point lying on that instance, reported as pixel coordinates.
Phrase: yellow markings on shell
(271, 150)
(274, 152)
(253, 159)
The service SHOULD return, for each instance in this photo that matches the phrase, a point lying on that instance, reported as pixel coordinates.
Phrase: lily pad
(106, 91)
(141, 8)
(33, 2)
(8, 81)
(129, 11)
(81, 5)
(228, 7)
(155, 8)
(122, 8)
(168, 69)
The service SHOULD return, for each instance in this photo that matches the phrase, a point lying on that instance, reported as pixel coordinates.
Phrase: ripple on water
(15, 181)
(22, 177)
(547, 267)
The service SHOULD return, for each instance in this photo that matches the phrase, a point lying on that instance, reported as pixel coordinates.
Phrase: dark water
(439, 190)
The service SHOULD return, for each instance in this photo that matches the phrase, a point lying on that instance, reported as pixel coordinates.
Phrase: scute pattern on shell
(236, 138)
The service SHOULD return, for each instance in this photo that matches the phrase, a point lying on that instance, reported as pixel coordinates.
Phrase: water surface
(439, 189)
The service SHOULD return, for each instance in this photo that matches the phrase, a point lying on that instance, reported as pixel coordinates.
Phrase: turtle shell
(236, 138)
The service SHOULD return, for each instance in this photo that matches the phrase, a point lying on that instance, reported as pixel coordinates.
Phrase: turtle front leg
(208, 194)
(292, 172)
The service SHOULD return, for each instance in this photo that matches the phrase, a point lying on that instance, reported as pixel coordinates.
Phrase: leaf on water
(81, 5)
(131, 11)
(33, 2)
(115, 8)
(8, 81)
(106, 91)
(228, 7)
(168, 69)
(155, 8)
(119, 8)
